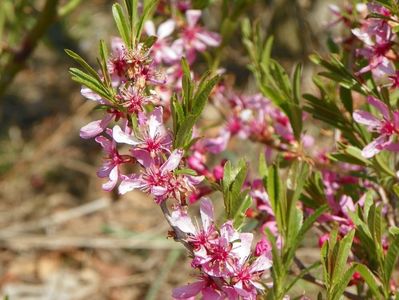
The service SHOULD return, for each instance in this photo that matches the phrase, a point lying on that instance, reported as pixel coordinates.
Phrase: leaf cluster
(186, 113)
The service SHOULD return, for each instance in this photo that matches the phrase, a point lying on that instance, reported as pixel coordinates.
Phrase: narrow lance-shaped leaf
(83, 63)
(344, 248)
(391, 258)
(121, 24)
(148, 8)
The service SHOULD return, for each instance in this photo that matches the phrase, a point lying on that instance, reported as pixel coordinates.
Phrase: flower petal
(210, 38)
(130, 183)
(149, 28)
(91, 130)
(113, 179)
(172, 162)
(366, 118)
(260, 264)
(123, 138)
(143, 157)
(381, 106)
(181, 220)
(374, 147)
(189, 290)
(206, 210)
(155, 121)
(192, 16)
(166, 29)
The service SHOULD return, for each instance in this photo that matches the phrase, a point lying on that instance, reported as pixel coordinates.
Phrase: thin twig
(19, 57)
(56, 219)
(51, 242)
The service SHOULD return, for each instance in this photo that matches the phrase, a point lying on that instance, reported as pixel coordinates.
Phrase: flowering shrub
(156, 141)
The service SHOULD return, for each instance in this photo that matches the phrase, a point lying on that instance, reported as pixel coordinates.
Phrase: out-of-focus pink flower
(387, 127)
(263, 247)
(323, 239)
(161, 50)
(217, 144)
(194, 37)
(377, 36)
(260, 196)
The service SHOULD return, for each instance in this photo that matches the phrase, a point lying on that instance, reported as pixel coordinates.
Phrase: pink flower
(110, 168)
(219, 143)
(247, 276)
(223, 256)
(263, 247)
(196, 236)
(94, 128)
(161, 51)
(161, 182)
(152, 136)
(117, 64)
(387, 127)
(194, 37)
(134, 100)
(377, 36)
(209, 289)
(260, 196)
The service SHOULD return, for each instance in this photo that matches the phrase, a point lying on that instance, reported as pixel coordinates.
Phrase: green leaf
(276, 196)
(121, 24)
(148, 8)
(262, 166)
(346, 98)
(200, 4)
(184, 131)
(149, 41)
(236, 201)
(83, 63)
(277, 268)
(239, 208)
(187, 85)
(90, 82)
(307, 224)
(201, 96)
(296, 84)
(372, 282)
(391, 258)
(344, 248)
(103, 53)
(186, 171)
(394, 230)
(301, 274)
(342, 283)
(375, 224)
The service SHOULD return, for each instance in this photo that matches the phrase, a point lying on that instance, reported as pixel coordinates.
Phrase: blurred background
(61, 236)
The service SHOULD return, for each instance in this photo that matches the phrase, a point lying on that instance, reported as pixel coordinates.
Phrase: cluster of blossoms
(373, 28)
(144, 80)
(250, 117)
(229, 268)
